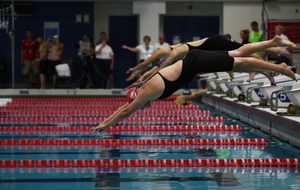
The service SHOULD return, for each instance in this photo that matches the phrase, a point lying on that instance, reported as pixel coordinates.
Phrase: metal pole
(13, 44)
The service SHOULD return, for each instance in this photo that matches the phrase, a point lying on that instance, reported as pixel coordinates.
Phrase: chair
(66, 78)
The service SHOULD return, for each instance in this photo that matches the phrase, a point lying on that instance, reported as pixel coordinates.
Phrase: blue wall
(70, 33)
(124, 59)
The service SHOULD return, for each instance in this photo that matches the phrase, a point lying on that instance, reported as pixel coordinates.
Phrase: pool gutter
(286, 128)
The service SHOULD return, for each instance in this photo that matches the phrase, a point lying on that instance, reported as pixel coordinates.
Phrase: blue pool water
(149, 178)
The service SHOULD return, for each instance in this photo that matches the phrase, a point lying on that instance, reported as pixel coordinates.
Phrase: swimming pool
(37, 129)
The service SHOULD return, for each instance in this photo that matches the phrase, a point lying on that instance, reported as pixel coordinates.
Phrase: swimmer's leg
(258, 46)
(248, 63)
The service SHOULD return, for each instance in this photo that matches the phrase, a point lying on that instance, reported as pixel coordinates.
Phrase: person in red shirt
(29, 50)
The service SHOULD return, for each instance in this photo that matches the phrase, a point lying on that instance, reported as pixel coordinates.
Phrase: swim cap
(132, 94)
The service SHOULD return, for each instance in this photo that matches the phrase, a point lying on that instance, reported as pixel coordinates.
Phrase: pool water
(146, 177)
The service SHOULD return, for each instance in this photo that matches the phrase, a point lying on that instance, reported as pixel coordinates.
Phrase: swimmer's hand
(129, 71)
(141, 80)
(181, 100)
(132, 76)
(100, 128)
(135, 84)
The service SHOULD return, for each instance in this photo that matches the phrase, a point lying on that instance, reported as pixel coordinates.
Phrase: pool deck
(282, 126)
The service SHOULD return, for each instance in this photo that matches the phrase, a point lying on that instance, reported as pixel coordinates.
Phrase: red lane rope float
(88, 100)
(135, 142)
(77, 100)
(128, 128)
(96, 169)
(210, 133)
(93, 107)
(139, 147)
(97, 119)
(277, 162)
(93, 112)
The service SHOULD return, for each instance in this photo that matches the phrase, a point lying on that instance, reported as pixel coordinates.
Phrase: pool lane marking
(116, 179)
(110, 153)
(225, 179)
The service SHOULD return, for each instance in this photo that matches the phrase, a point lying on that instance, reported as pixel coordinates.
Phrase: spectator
(245, 37)
(42, 60)
(57, 49)
(256, 35)
(279, 30)
(228, 37)
(104, 63)
(89, 58)
(161, 43)
(143, 49)
(103, 34)
(29, 49)
(111, 76)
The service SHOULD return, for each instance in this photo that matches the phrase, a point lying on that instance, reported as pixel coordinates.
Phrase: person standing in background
(104, 63)
(279, 30)
(111, 75)
(245, 37)
(89, 57)
(161, 43)
(29, 51)
(256, 35)
(57, 49)
(103, 34)
(42, 60)
(143, 49)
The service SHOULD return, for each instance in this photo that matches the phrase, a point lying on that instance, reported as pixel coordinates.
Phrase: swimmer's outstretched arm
(142, 79)
(125, 111)
(148, 74)
(176, 54)
(144, 65)
(134, 74)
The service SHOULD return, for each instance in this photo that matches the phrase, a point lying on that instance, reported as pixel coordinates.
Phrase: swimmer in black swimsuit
(214, 43)
(245, 50)
(169, 80)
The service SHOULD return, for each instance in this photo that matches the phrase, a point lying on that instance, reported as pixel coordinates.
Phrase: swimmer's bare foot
(216, 75)
(231, 74)
(251, 76)
(281, 42)
(284, 53)
(287, 72)
(269, 75)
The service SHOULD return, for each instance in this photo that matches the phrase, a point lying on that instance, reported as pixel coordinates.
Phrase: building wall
(70, 33)
(102, 11)
(234, 16)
